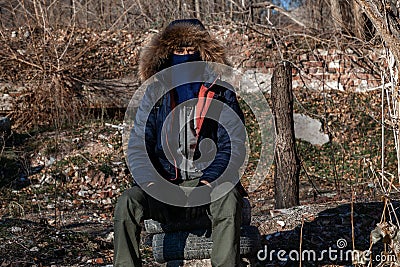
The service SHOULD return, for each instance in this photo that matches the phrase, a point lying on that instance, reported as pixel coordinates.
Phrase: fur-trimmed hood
(155, 56)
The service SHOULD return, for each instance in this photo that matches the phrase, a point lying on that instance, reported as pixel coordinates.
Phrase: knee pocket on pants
(227, 206)
(130, 203)
(232, 210)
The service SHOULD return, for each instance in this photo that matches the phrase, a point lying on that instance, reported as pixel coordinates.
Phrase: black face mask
(188, 77)
(178, 59)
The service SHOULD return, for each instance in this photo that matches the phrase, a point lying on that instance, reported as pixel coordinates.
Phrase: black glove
(166, 192)
(160, 211)
(200, 194)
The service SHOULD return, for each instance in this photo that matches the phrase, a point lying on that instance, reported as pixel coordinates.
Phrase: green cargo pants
(133, 207)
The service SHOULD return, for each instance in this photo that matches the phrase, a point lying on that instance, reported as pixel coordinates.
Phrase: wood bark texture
(336, 14)
(359, 25)
(287, 164)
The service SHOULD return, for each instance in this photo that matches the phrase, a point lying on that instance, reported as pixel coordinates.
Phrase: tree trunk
(359, 26)
(231, 10)
(197, 8)
(336, 14)
(179, 7)
(287, 164)
(71, 10)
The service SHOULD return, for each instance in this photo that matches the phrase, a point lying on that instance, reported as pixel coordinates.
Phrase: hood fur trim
(155, 56)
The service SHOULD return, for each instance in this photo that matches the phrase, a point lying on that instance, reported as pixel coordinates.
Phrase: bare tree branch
(280, 10)
(336, 14)
(371, 9)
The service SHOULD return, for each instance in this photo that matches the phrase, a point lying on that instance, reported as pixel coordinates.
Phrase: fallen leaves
(35, 243)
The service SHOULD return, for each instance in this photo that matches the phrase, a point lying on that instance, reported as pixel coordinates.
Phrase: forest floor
(57, 202)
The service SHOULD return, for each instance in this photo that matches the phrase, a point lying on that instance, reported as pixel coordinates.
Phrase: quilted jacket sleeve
(142, 140)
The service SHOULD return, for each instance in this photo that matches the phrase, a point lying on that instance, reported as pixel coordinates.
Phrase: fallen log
(104, 94)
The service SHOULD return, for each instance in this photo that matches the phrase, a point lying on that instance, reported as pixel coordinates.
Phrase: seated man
(185, 138)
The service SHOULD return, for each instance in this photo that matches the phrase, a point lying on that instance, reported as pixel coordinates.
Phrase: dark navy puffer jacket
(224, 125)
(147, 156)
